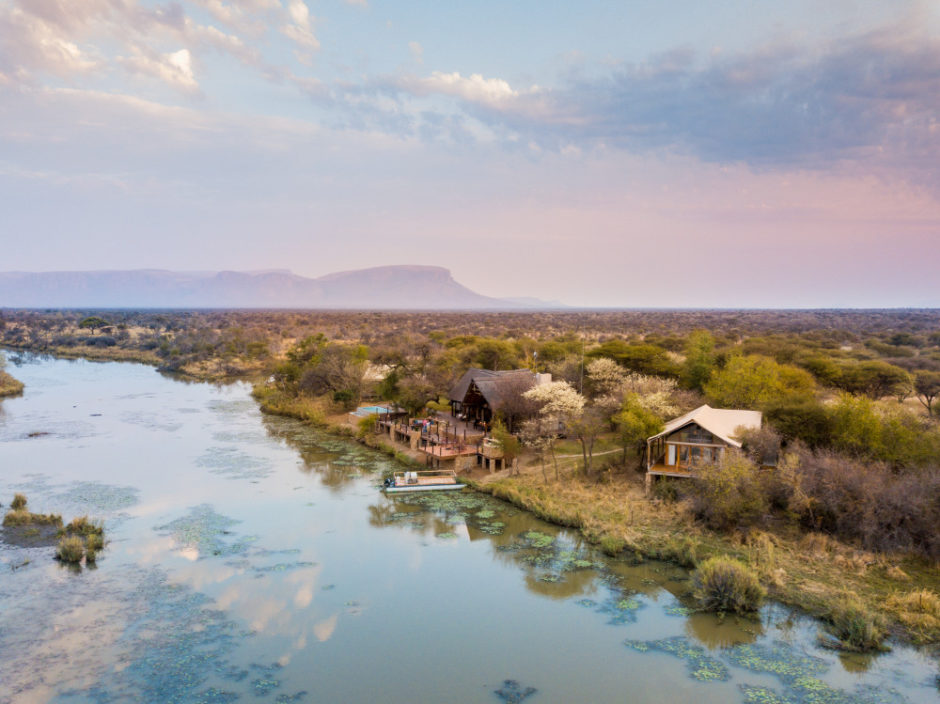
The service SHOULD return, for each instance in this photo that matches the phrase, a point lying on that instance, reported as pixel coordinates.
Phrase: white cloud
(494, 92)
(175, 69)
(29, 43)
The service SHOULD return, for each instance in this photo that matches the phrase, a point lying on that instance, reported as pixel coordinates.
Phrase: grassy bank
(810, 571)
(207, 370)
(9, 386)
(316, 412)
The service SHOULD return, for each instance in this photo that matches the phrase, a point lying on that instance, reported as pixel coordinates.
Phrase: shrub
(724, 584)
(730, 494)
(19, 502)
(365, 426)
(856, 627)
(70, 549)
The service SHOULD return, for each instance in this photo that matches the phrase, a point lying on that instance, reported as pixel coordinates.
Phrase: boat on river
(432, 480)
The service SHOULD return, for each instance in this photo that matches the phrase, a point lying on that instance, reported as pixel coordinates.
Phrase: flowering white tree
(558, 404)
(556, 399)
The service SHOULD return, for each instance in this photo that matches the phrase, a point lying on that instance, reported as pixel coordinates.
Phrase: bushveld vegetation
(849, 400)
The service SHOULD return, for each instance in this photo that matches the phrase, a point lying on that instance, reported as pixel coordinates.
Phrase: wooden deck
(449, 451)
(666, 470)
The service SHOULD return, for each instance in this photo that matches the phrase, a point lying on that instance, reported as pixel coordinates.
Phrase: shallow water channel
(251, 558)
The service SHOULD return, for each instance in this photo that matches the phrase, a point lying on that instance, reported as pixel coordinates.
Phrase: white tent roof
(720, 422)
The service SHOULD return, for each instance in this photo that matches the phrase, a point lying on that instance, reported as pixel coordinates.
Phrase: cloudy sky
(734, 153)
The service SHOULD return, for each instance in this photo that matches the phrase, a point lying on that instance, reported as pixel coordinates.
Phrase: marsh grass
(71, 549)
(19, 502)
(856, 626)
(919, 610)
(726, 585)
(85, 527)
(23, 517)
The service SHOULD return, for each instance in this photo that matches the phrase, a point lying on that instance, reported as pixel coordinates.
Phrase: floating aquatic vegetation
(173, 642)
(538, 540)
(777, 658)
(485, 513)
(449, 535)
(702, 665)
(284, 566)
(678, 610)
(512, 692)
(289, 698)
(202, 528)
(798, 672)
(263, 686)
(233, 463)
(619, 608)
(99, 498)
(151, 421)
(214, 695)
(762, 695)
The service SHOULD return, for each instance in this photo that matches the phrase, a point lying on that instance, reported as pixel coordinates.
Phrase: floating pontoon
(434, 480)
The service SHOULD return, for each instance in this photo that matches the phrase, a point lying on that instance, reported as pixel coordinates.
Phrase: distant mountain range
(385, 287)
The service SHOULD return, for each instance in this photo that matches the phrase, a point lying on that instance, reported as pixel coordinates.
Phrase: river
(252, 558)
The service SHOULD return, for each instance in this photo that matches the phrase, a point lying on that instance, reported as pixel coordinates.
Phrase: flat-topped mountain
(384, 287)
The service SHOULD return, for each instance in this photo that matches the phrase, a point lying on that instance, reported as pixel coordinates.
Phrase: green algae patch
(702, 666)
(449, 535)
(763, 695)
(778, 659)
(203, 529)
(538, 540)
(512, 692)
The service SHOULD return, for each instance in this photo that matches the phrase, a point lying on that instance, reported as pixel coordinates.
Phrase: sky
(737, 153)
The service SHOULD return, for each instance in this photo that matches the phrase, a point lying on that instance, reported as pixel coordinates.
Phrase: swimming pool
(364, 411)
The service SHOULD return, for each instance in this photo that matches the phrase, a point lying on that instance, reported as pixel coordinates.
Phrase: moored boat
(434, 480)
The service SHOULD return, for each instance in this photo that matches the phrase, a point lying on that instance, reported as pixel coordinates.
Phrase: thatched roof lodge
(481, 393)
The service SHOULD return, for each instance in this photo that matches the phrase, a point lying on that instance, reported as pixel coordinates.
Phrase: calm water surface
(253, 559)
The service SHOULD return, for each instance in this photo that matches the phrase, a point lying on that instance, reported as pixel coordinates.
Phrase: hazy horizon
(662, 156)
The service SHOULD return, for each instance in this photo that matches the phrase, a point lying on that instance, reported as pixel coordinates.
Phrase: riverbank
(807, 570)
(210, 370)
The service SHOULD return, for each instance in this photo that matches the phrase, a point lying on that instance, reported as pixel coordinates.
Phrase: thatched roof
(493, 386)
(720, 422)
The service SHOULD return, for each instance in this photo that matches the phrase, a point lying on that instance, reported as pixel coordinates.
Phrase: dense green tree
(643, 358)
(635, 423)
(873, 378)
(699, 359)
(755, 381)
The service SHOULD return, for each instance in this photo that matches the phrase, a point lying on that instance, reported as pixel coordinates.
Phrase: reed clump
(71, 550)
(856, 627)
(727, 585)
(20, 515)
